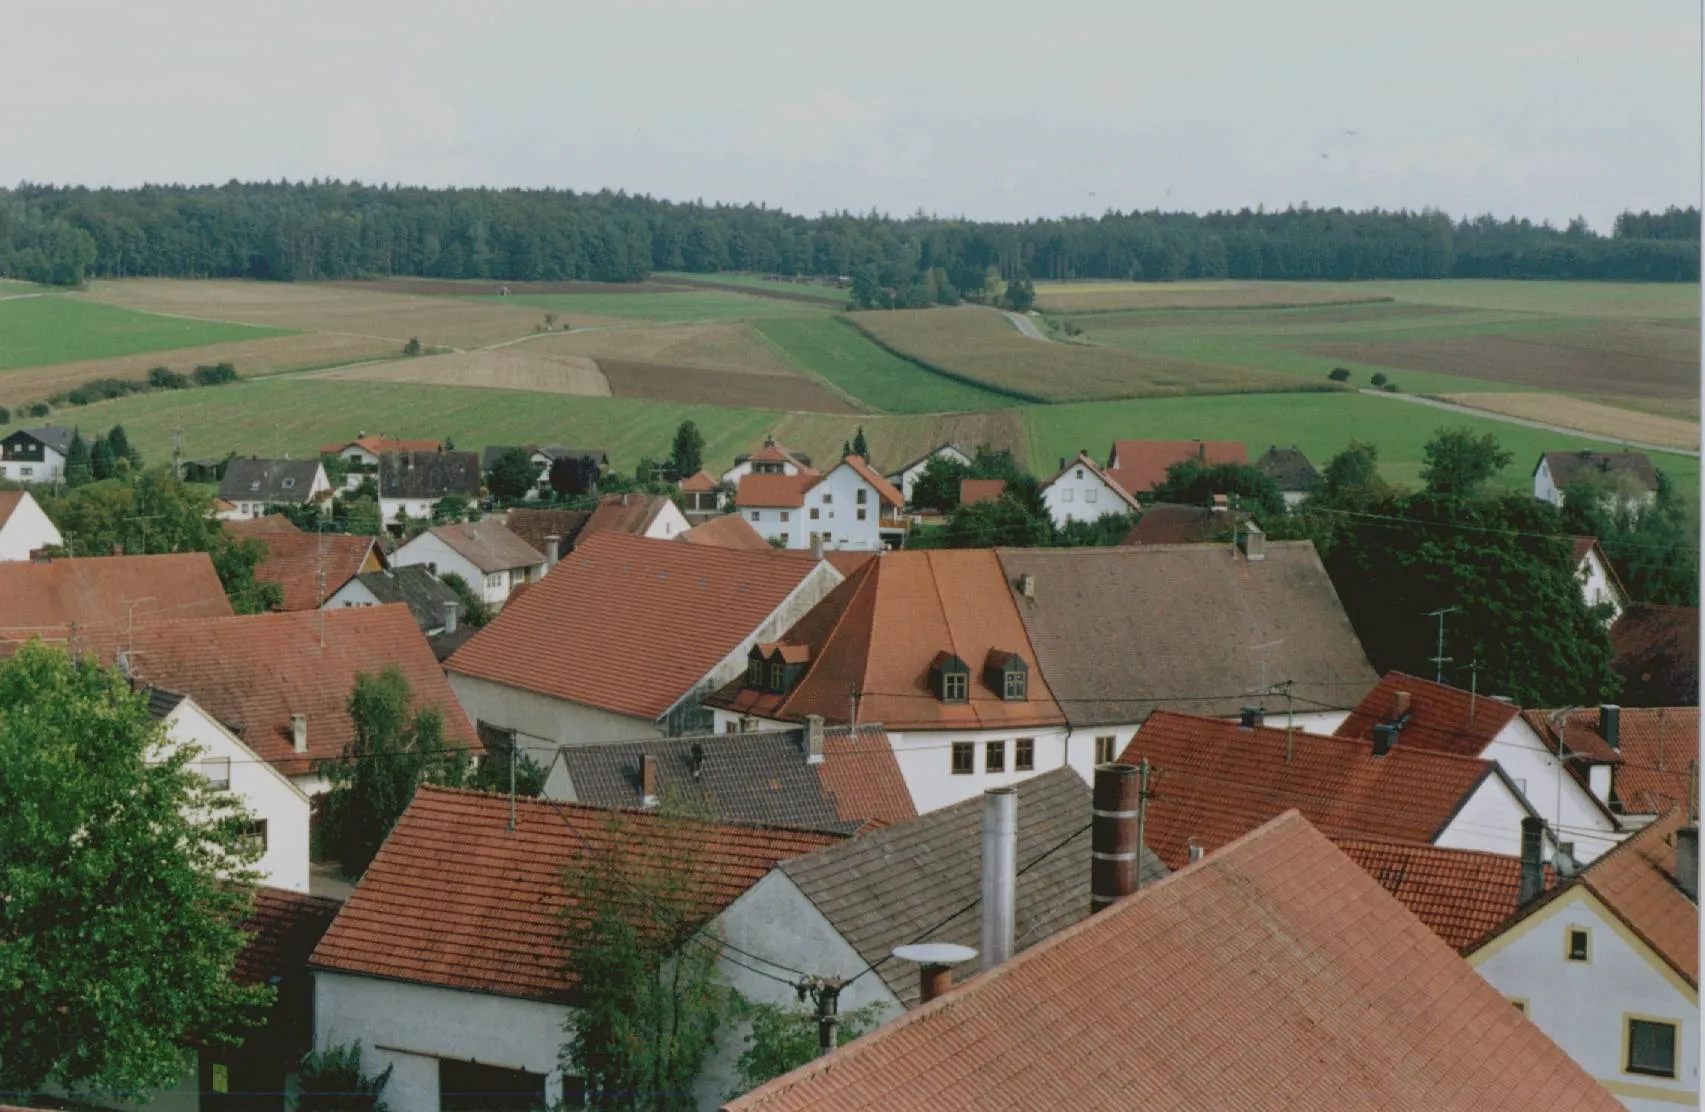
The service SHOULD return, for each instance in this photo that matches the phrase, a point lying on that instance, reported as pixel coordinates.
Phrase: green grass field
(694, 305)
(1656, 300)
(10, 286)
(43, 331)
(846, 357)
(759, 282)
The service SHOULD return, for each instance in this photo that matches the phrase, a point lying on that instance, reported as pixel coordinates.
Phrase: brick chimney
(814, 739)
(299, 732)
(935, 962)
(1532, 867)
(1399, 704)
(1113, 834)
(648, 780)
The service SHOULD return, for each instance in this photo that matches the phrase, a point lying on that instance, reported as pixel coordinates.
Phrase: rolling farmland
(846, 357)
(60, 328)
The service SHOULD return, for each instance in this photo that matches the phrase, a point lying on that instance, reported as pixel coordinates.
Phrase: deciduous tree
(1457, 462)
(513, 474)
(687, 452)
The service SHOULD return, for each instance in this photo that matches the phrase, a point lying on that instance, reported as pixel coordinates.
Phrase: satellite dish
(935, 953)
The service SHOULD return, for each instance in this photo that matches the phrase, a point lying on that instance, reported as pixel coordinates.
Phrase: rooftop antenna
(1262, 691)
(1440, 659)
(129, 605)
(1287, 687)
(1473, 685)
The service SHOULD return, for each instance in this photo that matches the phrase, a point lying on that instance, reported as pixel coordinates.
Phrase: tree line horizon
(64, 235)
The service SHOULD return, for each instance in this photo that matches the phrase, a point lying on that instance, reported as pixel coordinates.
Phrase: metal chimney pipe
(1532, 868)
(816, 546)
(553, 551)
(1610, 724)
(1000, 874)
(450, 608)
(1113, 834)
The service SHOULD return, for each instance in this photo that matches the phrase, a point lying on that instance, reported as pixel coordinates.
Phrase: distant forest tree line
(334, 230)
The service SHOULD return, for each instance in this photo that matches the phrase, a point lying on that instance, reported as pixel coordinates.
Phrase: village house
(1600, 585)
(771, 459)
(1624, 476)
(906, 477)
(435, 607)
(411, 483)
(1639, 760)
(591, 462)
(35, 455)
(1570, 790)
(1290, 471)
(973, 492)
(1138, 466)
(546, 530)
(1657, 655)
(255, 487)
(313, 567)
(94, 594)
(1082, 491)
(848, 507)
(1357, 1004)
(1171, 523)
(702, 497)
(491, 560)
(361, 455)
(458, 985)
(24, 528)
(1607, 965)
(626, 636)
(638, 515)
(727, 531)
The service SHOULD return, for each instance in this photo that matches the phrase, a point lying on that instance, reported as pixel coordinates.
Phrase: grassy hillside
(66, 328)
(846, 357)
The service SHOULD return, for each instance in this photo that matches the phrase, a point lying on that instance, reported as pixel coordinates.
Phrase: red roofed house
(1425, 715)
(1138, 465)
(459, 984)
(312, 567)
(1274, 973)
(625, 636)
(1462, 894)
(362, 454)
(771, 459)
(1607, 965)
(850, 507)
(489, 558)
(1640, 760)
(104, 593)
(702, 496)
(24, 528)
(1082, 491)
(975, 491)
(640, 515)
(727, 531)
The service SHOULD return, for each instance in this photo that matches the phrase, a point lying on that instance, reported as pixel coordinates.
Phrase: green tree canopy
(1351, 474)
(1456, 462)
(861, 446)
(937, 485)
(124, 878)
(1006, 522)
(1193, 483)
(687, 452)
(79, 466)
(513, 474)
(783, 1039)
(1654, 546)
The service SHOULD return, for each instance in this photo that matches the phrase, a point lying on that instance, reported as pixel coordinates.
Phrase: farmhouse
(1600, 585)
(24, 528)
(436, 608)
(1290, 471)
(313, 567)
(458, 985)
(1348, 978)
(771, 459)
(491, 560)
(1082, 491)
(35, 455)
(1607, 965)
(1139, 465)
(640, 515)
(89, 595)
(849, 507)
(361, 455)
(906, 477)
(1624, 476)
(590, 462)
(1657, 655)
(411, 482)
(624, 638)
(255, 486)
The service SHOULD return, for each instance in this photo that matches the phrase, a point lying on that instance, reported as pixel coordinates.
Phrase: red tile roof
(1463, 895)
(860, 768)
(1273, 974)
(252, 672)
(1168, 523)
(884, 489)
(266, 523)
(1443, 719)
(973, 491)
(1580, 739)
(624, 513)
(881, 630)
(283, 930)
(10, 500)
(846, 560)
(1214, 782)
(312, 567)
(457, 899)
(1137, 465)
(489, 546)
(727, 531)
(107, 592)
(1657, 655)
(700, 482)
(1114, 483)
(758, 491)
(1656, 745)
(629, 624)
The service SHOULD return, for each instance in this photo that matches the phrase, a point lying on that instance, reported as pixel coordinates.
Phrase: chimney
(1000, 874)
(814, 739)
(299, 732)
(1687, 861)
(816, 546)
(648, 780)
(1532, 868)
(1399, 704)
(1610, 724)
(696, 761)
(450, 606)
(1195, 850)
(1383, 738)
(1253, 542)
(553, 551)
(935, 965)
(748, 724)
(1027, 585)
(1251, 718)
(1113, 834)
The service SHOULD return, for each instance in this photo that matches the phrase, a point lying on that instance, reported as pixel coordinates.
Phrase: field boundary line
(1041, 308)
(1490, 415)
(754, 291)
(851, 399)
(963, 380)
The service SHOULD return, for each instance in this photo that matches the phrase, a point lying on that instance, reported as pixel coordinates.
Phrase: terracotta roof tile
(91, 592)
(1214, 782)
(1169, 523)
(624, 513)
(1137, 465)
(1273, 974)
(283, 930)
(266, 523)
(727, 531)
(1581, 738)
(456, 899)
(1656, 745)
(533, 526)
(629, 624)
(1463, 895)
(884, 489)
(312, 566)
(1442, 718)
(847, 560)
(771, 491)
(1657, 655)
(10, 500)
(700, 482)
(1637, 881)
(973, 491)
(488, 546)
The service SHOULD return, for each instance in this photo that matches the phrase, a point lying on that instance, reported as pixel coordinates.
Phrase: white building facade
(841, 508)
(1554, 792)
(34, 455)
(907, 477)
(1083, 492)
(493, 587)
(26, 529)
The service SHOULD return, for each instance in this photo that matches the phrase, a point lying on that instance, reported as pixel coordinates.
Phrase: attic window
(1580, 944)
(755, 673)
(288, 483)
(1007, 674)
(950, 678)
(953, 687)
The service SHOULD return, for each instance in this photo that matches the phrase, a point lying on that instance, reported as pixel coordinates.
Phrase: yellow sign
(221, 1078)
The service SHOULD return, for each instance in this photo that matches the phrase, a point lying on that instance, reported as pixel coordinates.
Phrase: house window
(1579, 944)
(1014, 685)
(964, 758)
(784, 515)
(861, 514)
(756, 516)
(254, 833)
(785, 539)
(731, 727)
(1024, 755)
(955, 686)
(994, 757)
(776, 681)
(814, 513)
(754, 673)
(1651, 1047)
(26, 472)
(494, 580)
(1091, 495)
(1080, 472)
(827, 498)
(217, 770)
(1104, 750)
(1066, 495)
(859, 498)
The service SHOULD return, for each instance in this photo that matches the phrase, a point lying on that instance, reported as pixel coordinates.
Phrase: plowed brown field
(1573, 413)
(506, 368)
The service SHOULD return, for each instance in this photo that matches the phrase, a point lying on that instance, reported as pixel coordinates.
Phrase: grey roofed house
(891, 887)
(57, 437)
(416, 587)
(488, 458)
(765, 777)
(1288, 468)
(1566, 467)
(269, 480)
(488, 545)
(533, 526)
(1120, 632)
(428, 474)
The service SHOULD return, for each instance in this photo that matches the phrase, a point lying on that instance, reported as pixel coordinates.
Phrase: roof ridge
(1297, 735)
(555, 805)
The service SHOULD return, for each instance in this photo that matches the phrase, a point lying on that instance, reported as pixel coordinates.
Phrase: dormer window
(755, 673)
(1007, 675)
(950, 678)
(778, 677)
(953, 688)
(775, 668)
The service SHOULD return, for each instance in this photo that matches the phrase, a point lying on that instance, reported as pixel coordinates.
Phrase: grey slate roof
(415, 586)
(162, 702)
(1120, 632)
(268, 480)
(533, 526)
(1288, 468)
(891, 887)
(428, 474)
(57, 437)
(1566, 467)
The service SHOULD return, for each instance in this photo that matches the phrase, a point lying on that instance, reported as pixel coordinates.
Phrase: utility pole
(512, 755)
(1692, 791)
(1440, 659)
(178, 452)
(1288, 687)
(825, 993)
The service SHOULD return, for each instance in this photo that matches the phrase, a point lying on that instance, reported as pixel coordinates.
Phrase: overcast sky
(997, 110)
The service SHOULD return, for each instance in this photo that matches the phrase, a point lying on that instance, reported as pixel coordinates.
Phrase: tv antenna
(1439, 658)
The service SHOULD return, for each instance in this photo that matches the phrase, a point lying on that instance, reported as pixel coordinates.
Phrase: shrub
(1391, 388)
(216, 375)
(331, 1081)
(5, 416)
(40, 409)
(1378, 378)
(164, 378)
(413, 346)
(1339, 374)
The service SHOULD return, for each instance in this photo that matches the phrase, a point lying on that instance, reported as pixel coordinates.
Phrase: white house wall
(433, 553)
(1583, 1006)
(1079, 494)
(28, 529)
(1596, 585)
(1489, 820)
(542, 723)
(1552, 790)
(1544, 488)
(909, 477)
(410, 1027)
(50, 468)
(669, 523)
(415, 508)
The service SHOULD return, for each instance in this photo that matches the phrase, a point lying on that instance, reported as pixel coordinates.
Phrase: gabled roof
(1273, 974)
(1656, 745)
(884, 489)
(428, 474)
(630, 624)
(760, 777)
(417, 588)
(533, 526)
(1579, 734)
(266, 523)
(1137, 465)
(902, 885)
(625, 513)
(458, 900)
(1566, 467)
(879, 632)
(283, 930)
(775, 452)
(95, 593)
(1121, 631)
(1170, 523)
(379, 445)
(1462, 894)
(10, 500)
(1657, 655)
(727, 531)
(1589, 546)
(762, 491)
(700, 482)
(899, 472)
(1214, 781)
(253, 671)
(973, 491)
(57, 437)
(1107, 478)
(1441, 718)
(269, 480)
(487, 545)
(311, 566)
(1288, 468)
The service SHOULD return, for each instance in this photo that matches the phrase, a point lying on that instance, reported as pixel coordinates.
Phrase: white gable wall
(1597, 586)
(28, 529)
(1552, 790)
(669, 523)
(832, 508)
(430, 550)
(1079, 494)
(1489, 820)
(908, 478)
(1544, 488)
